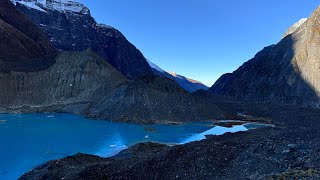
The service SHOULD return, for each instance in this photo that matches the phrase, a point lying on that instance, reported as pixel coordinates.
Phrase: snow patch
(30, 4)
(58, 5)
(295, 26)
(174, 74)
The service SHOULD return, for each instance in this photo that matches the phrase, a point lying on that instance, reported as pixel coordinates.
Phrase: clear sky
(201, 39)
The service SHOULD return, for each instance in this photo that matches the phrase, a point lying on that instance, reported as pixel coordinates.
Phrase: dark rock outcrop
(287, 72)
(74, 29)
(153, 99)
(23, 47)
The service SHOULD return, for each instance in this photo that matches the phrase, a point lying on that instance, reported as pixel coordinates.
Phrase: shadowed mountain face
(70, 27)
(287, 72)
(23, 46)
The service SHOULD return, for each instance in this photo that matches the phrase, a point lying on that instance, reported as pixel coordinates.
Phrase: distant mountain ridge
(188, 84)
(287, 72)
(180, 76)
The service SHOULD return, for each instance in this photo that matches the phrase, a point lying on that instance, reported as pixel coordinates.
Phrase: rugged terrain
(286, 73)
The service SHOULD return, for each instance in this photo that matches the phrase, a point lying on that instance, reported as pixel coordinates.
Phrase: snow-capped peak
(58, 5)
(295, 26)
(173, 73)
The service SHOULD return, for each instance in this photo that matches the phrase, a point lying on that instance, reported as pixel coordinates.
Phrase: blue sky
(201, 39)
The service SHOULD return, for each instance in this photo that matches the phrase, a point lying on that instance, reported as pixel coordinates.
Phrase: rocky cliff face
(287, 72)
(70, 27)
(76, 80)
(23, 47)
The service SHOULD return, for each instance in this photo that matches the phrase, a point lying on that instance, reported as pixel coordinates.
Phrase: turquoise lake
(28, 140)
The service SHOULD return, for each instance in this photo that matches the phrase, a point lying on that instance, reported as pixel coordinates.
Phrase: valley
(79, 101)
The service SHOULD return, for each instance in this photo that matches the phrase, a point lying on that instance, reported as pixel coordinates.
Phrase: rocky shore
(289, 150)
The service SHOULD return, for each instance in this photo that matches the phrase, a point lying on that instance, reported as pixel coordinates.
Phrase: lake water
(29, 140)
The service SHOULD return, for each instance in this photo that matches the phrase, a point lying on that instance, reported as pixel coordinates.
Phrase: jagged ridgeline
(70, 27)
(288, 72)
(82, 82)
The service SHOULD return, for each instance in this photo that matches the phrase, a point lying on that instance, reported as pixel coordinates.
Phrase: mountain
(287, 72)
(188, 84)
(70, 27)
(23, 47)
(82, 82)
